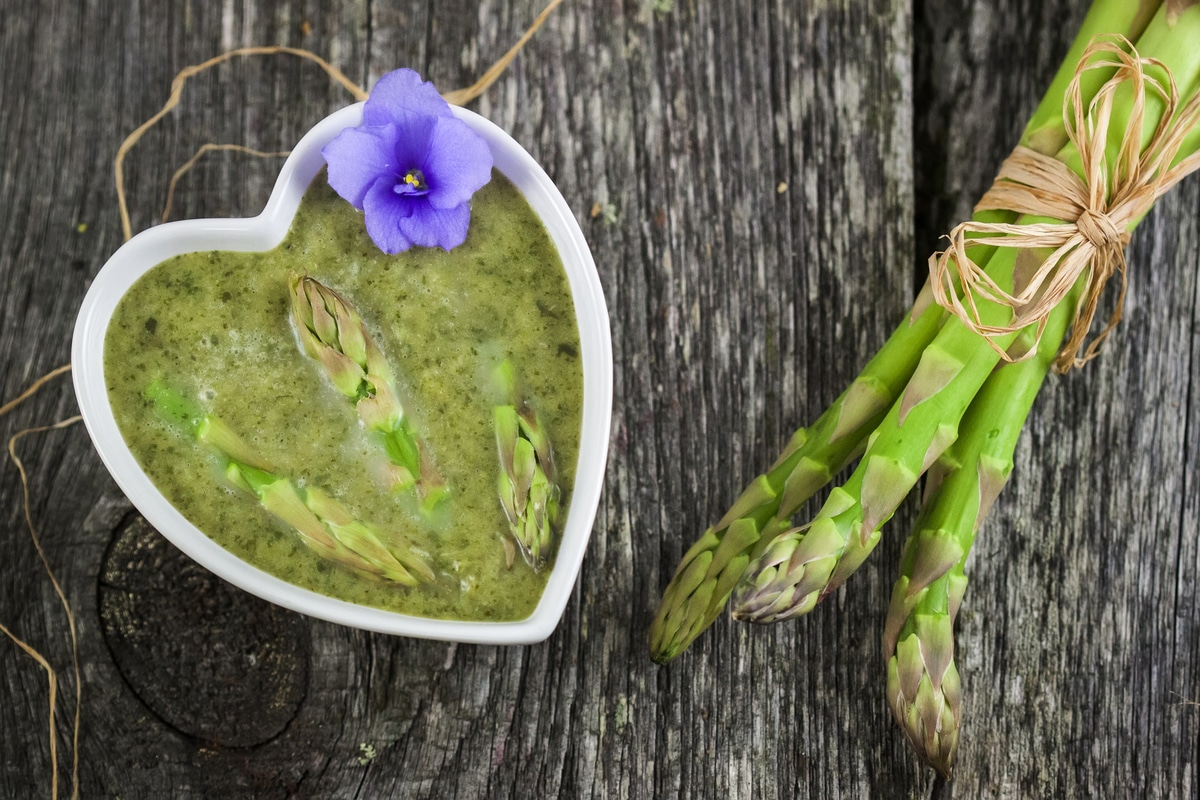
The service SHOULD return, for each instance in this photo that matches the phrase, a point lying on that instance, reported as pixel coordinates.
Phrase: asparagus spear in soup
(527, 483)
(333, 333)
(323, 523)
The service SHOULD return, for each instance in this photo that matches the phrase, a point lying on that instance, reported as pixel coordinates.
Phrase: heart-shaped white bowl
(264, 232)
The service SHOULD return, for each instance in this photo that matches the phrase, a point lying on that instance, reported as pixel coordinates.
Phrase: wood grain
(777, 172)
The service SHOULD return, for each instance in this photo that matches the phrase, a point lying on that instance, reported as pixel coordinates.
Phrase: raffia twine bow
(1101, 208)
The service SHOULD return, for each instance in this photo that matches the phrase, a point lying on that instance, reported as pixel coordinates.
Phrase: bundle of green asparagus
(324, 524)
(933, 398)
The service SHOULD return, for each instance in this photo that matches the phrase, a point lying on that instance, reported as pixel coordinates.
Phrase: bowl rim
(263, 232)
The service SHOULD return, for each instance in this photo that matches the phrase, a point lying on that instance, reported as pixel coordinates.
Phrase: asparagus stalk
(923, 687)
(324, 524)
(333, 333)
(799, 568)
(527, 482)
(713, 566)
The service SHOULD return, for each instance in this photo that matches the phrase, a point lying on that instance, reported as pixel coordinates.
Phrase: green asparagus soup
(217, 327)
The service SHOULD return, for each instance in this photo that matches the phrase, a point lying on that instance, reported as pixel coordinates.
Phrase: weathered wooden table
(773, 174)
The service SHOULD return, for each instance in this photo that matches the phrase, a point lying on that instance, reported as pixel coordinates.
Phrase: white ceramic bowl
(264, 232)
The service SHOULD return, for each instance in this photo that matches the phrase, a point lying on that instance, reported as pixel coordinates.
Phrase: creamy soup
(217, 327)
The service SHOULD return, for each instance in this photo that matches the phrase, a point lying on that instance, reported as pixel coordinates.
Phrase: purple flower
(411, 167)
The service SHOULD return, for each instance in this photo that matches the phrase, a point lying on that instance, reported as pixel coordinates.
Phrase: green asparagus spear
(527, 483)
(923, 687)
(708, 571)
(323, 523)
(799, 568)
(334, 334)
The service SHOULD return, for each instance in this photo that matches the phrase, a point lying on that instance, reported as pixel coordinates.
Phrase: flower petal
(403, 90)
(458, 163)
(410, 148)
(437, 227)
(383, 211)
(357, 158)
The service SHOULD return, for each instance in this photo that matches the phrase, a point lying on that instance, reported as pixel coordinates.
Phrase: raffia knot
(1094, 207)
(1099, 229)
